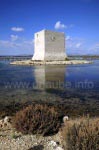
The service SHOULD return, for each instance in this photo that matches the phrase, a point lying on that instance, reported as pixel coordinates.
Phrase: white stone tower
(49, 46)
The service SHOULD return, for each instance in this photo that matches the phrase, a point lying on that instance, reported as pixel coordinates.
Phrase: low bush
(37, 119)
(81, 135)
(66, 59)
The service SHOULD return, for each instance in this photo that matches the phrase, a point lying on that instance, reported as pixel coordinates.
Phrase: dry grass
(37, 119)
(81, 134)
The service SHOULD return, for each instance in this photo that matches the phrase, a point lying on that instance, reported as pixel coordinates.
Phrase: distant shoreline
(28, 57)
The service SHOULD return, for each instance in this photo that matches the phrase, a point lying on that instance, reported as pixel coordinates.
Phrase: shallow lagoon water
(72, 84)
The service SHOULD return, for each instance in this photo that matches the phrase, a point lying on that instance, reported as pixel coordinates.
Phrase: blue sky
(20, 19)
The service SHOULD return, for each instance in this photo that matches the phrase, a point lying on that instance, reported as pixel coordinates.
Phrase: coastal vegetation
(81, 134)
(37, 119)
(42, 122)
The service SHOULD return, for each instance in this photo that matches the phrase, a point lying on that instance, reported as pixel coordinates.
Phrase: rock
(7, 119)
(1, 123)
(65, 118)
(59, 148)
(53, 143)
(5, 124)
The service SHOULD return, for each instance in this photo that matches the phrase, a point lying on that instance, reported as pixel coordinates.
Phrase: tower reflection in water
(49, 77)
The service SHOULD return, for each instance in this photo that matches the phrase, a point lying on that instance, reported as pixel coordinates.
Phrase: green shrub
(83, 135)
(66, 59)
(37, 119)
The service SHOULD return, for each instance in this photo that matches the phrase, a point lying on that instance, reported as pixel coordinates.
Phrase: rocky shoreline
(10, 139)
(67, 62)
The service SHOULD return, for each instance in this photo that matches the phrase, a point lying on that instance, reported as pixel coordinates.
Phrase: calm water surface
(75, 83)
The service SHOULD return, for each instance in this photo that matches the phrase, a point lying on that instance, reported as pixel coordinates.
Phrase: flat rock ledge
(69, 62)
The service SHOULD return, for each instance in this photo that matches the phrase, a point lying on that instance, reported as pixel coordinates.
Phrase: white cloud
(97, 45)
(94, 48)
(17, 29)
(14, 37)
(6, 43)
(78, 45)
(75, 45)
(59, 25)
(22, 44)
(68, 38)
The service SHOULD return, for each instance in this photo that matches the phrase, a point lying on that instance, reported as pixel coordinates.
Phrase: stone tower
(49, 46)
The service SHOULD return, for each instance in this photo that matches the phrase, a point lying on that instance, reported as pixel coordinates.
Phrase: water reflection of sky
(20, 82)
(43, 75)
(84, 73)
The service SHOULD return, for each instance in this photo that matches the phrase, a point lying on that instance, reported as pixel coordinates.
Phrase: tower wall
(49, 45)
(54, 46)
(39, 46)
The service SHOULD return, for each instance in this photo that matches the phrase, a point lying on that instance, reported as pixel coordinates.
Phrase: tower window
(37, 35)
(52, 38)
